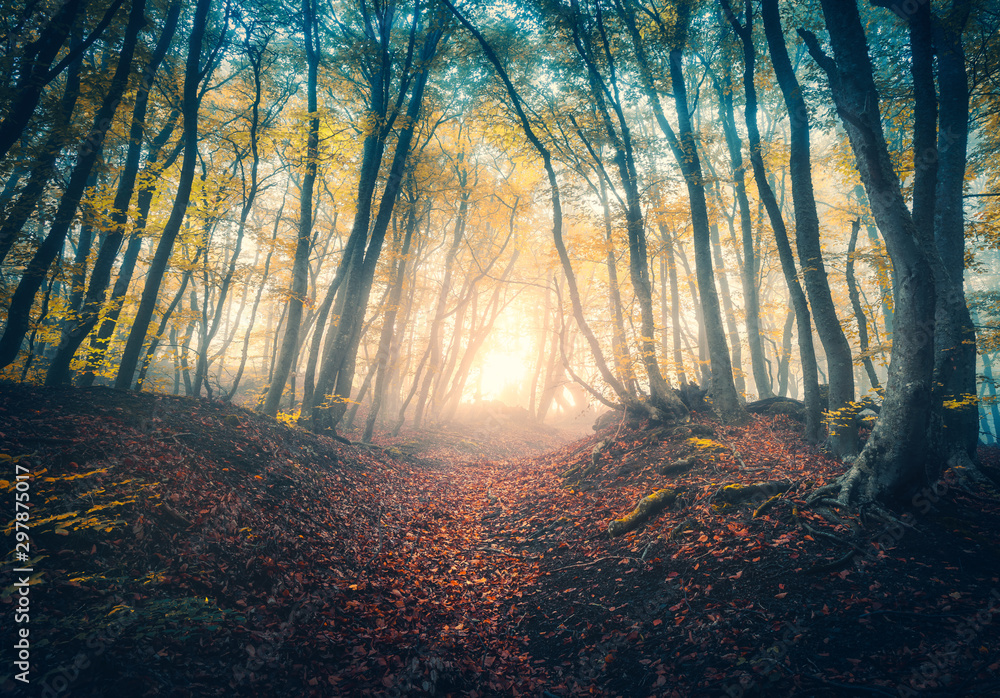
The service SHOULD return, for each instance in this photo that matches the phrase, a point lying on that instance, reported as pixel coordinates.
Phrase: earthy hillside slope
(187, 548)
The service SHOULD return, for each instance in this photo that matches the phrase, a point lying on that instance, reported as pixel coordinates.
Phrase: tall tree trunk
(842, 422)
(725, 399)
(300, 264)
(338, 369)
(390, 329)
(807, 352)
(256, 66)
(674, 409)
(99, 343)
(955, 336)
(607, 99)
(786, 354)
(748, 271)
(19, 311)
(36, 69)
(44, 165)
(256, 304)
(675, 312)
(542, 340)
(161, 258)
(730, 313)
(622, 356)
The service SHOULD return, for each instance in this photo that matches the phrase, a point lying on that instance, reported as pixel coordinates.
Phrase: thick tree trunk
(892, 464)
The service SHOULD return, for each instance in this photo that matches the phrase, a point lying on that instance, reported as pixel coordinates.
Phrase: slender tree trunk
(748, 270)
(99, 343)
(300, 264)
(36, 69)
(675, 409)
(161, 258)
(807, 352)
(842, 423)
(730, 313)
(101, 276)
(859, 311)
(622, 356)
(725, 399)
(542, 341)
(43, 167)
(675, 314)
(955, 336)
(786, 354)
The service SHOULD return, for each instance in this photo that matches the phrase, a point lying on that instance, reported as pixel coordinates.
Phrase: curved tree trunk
(842, 422)
(19, 311)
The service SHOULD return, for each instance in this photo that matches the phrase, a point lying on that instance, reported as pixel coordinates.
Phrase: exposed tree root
(647, 507)
(736, 493)
(832, 566)
(681, 465)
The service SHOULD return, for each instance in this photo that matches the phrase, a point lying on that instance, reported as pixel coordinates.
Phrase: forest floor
(186, 548)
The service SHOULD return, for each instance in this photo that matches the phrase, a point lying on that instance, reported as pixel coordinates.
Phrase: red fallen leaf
(781, 595)
(660, 680)
(488, 662)
(657, 622)
(388, 681)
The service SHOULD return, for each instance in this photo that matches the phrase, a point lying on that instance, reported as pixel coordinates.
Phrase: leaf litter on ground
(194, 548)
